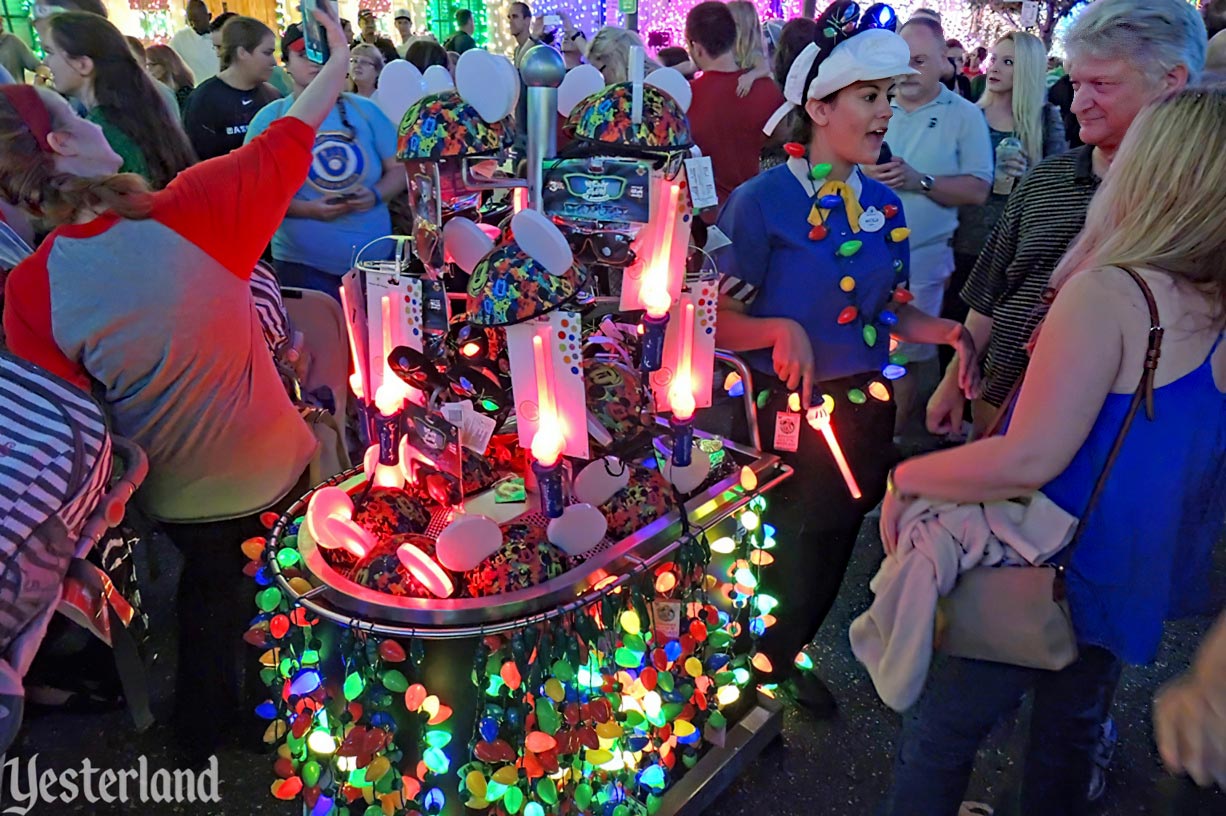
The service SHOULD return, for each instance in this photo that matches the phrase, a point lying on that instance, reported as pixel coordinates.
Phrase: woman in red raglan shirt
(143, 297)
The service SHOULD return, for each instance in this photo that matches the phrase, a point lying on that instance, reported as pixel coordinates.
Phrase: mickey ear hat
(872, 54)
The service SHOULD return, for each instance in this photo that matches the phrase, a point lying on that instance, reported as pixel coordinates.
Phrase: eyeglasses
(356, 61)
(607, 248)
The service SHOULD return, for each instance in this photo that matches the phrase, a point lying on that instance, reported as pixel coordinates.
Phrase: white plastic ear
(672, 83)
(438, 79)
(596, 483)
(329, 520)
(467, 541)
(578, 84)
(513, 80)
(400, 86)
(541, 239)
(580, 528)
(486, 85)
(466, 243)
(691, 476)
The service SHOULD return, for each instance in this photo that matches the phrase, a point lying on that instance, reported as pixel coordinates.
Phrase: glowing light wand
(819, 419)
(681, 393)
(547, 442)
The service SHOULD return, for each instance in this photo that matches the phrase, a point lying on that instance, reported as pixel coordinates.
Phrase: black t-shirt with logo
(217, 115)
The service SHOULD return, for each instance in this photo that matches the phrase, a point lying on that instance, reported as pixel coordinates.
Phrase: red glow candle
(655, 293)
(681, 393)
(548, 442)
(819, 419)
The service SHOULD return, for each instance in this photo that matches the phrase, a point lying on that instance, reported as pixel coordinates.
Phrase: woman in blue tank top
(1144, 554)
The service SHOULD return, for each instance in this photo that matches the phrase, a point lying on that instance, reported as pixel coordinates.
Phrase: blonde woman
(1015, 104)
(365, 65)
(1144, 553)
(609, 52)
(750, 48)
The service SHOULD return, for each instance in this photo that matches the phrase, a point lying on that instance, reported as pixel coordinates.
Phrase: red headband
(298, 46)
(31, 110)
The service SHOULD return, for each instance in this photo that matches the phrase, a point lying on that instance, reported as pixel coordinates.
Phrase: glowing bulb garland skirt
(594, 705)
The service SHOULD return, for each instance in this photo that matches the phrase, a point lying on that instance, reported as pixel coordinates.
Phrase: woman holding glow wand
(811, 294)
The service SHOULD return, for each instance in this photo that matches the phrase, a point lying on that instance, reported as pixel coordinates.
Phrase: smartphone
(553, 21)
(313, 34)
(886, 154)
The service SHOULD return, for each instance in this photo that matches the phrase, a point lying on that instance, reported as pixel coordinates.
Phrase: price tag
(1030, 13)
(667, 615)
(701, 178)
(787, 431)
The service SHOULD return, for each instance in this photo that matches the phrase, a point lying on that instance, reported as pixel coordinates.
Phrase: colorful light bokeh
(599, 707)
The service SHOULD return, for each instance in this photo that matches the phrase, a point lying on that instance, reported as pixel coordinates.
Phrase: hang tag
(434, 296)
(476, 432)
(700, 176)
(787, 431)
(872, 220)
(667, 616)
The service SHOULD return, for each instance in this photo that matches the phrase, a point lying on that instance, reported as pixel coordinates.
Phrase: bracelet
(892, 488)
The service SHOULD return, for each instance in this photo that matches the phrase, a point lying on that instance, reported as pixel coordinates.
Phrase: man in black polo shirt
(1114, 78)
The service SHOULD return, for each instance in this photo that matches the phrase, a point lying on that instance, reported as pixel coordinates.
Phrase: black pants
(815, 518)
(214, 605)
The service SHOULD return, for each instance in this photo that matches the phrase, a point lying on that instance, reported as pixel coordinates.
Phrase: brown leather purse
(1020, 615)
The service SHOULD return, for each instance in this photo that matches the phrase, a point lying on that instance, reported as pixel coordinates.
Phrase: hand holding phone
(314, 36)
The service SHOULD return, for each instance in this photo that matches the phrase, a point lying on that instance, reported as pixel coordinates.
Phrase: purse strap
(1144, 393)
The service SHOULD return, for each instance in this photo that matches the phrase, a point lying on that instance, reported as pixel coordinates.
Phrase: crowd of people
(1022, 226)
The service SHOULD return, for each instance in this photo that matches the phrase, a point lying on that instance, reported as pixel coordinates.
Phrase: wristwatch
(926, 183)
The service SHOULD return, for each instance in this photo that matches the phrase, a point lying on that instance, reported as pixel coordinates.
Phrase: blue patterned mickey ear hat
(607, 117)
(849, 47)
(444, 126)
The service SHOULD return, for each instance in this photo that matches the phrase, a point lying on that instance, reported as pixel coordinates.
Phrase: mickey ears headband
(879, 55)
(842, 21)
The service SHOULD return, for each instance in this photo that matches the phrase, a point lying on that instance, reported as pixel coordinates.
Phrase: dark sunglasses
(606, 248)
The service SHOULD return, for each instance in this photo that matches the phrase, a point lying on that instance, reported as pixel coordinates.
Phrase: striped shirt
(55, 460)
(1043, 216)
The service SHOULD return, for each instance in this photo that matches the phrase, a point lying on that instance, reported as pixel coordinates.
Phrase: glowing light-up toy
(681, 393)
(819, 420)
(548, 442)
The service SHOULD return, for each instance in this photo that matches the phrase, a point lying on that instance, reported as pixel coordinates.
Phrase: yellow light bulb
(322, 743)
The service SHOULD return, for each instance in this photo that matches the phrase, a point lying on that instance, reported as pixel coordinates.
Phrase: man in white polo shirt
(195, 43)
(942, 159)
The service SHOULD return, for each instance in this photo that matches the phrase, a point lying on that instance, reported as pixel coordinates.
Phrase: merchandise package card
(561, 381)
(433, 445)
(400, 298)
(356, 325)
(599, 190)
(704, 296)
(662, 245)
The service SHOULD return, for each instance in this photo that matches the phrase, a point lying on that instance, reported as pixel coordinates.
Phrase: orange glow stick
(819, 419)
